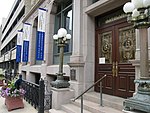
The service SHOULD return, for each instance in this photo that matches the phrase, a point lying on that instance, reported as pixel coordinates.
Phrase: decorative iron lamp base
(141, 100)
(60, 83)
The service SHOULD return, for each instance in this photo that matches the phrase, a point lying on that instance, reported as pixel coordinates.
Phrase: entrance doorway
(115, 47)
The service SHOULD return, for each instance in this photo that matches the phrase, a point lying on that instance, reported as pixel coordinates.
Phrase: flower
(11, 90)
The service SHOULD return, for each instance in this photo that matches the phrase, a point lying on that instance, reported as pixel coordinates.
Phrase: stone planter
(13, 103)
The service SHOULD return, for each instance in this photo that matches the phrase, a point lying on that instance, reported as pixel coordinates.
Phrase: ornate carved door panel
(115, 46)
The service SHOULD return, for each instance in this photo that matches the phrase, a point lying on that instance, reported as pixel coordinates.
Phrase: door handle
(113, 69)
(116, 70)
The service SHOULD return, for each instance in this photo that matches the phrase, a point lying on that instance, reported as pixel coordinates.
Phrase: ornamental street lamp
(138, 13)
(61, 38)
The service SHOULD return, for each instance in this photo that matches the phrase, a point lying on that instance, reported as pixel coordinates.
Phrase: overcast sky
(5, 6)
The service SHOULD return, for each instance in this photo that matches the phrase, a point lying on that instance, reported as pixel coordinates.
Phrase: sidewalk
(27, 108)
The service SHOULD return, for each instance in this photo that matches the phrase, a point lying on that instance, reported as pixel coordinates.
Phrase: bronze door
(115, 47)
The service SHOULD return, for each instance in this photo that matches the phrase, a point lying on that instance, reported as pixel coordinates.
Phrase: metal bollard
(41, 96)
(101, 100)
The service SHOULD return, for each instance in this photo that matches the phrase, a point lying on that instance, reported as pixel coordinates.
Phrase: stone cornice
(80, 64)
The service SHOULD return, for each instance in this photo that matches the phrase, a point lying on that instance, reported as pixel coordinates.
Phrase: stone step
(56, 111)
(133, 111)
(95, 107)
(71, 108)
(111, 104)
(108, 100)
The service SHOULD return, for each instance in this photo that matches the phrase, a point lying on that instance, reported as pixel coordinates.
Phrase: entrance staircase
(91, 104)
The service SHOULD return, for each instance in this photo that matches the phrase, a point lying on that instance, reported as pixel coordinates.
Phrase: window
(63, 19)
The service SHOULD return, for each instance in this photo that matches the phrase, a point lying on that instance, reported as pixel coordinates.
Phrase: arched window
(63, 20)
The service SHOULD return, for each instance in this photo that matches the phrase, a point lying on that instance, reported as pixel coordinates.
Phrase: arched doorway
(114, 48)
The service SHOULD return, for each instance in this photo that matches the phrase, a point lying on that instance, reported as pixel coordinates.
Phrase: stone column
(144, 54)
(82, 59)
(32, 42)
(48, 44)
(50, 21)
(30, 77)
(76, 60)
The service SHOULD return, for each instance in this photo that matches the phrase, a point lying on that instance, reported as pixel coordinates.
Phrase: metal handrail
(90, 87)
(81, 95)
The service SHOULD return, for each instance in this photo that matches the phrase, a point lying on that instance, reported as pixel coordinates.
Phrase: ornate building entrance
(115, 47)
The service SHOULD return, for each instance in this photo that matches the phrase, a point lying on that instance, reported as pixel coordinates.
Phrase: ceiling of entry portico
(103, 6)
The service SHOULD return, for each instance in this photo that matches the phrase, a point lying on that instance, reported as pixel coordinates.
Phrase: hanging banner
(26, 37)
(19, 46)
(41, 34)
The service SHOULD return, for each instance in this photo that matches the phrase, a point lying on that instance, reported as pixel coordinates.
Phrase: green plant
(2, 77)
(11, 90)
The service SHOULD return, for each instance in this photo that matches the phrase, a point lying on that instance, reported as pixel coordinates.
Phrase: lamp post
(138, 13)
(61, 38)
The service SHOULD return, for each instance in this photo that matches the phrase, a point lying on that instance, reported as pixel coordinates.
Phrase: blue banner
(25, 51)
(43, 9)
(18, 53)
(41, 34)
(40, 45)
(19, 46)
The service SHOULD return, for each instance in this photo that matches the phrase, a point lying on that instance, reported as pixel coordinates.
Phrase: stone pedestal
(61, 96)
(78, 87)
(76, 77)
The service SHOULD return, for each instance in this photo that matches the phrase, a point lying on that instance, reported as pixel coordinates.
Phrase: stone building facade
(99, 45)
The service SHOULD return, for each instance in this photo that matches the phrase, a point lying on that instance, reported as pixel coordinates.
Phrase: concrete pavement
(27, 108)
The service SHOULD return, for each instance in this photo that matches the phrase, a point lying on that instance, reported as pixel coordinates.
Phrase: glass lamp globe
(146, 12)
(55, 37)
(128, 7)
(137, 3)
(135, 13)
(65, 38)
(62, 32)
(68, 36)
(146, 3)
